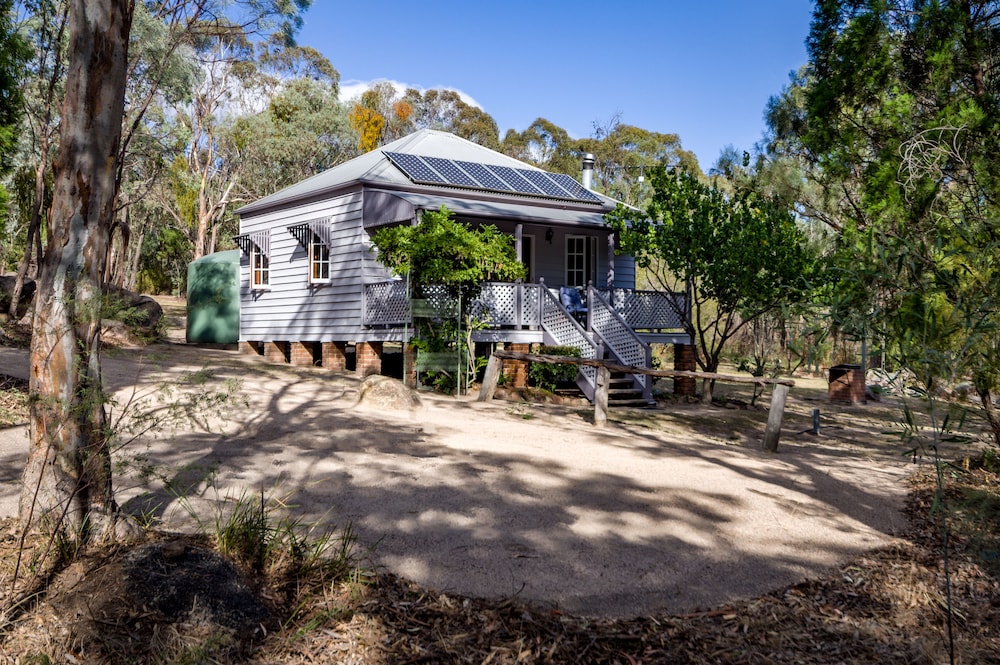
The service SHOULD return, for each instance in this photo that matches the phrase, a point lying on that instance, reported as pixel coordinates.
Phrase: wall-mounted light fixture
(549, 233)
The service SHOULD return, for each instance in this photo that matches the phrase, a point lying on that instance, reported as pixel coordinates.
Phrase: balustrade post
(518, 303)
(541, 301)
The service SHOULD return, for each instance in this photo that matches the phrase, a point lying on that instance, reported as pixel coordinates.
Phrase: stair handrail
(618, 338)
(564, 330)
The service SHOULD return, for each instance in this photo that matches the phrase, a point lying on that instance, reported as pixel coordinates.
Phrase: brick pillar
(409, 365)
(369, 358)
(301, 353)
(517, 370)
(684, 361)
(275, 352)
(250, 348)
(335, 355)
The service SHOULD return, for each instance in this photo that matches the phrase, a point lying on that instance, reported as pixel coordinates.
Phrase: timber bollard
(773, 430)
(490, 379)
(601, 397)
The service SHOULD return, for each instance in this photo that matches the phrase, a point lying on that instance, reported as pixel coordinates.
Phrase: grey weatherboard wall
(293, 309)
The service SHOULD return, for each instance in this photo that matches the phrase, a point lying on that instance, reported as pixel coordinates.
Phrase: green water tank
(213, 299)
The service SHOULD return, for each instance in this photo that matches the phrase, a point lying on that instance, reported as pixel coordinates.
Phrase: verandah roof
(383, 207)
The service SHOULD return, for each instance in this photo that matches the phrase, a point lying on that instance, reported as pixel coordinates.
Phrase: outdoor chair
(571, 300)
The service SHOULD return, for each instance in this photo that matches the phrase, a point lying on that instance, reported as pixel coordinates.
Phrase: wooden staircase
(623, 391)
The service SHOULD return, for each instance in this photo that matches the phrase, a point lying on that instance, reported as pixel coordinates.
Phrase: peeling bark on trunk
(67, 479)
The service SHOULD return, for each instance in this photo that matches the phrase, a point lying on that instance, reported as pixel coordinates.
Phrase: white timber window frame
(319, 261)
(581, 260)
(257, 247)
(260, 269)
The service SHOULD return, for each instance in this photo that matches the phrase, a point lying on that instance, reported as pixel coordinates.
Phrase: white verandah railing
(516, 305)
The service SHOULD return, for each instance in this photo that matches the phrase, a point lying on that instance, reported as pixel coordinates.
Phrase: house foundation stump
(302, 353)
(684, 361)
(334, 355)
(276, 352)
(250, 348)
(516, 370)
(369, 358)
(410, 365)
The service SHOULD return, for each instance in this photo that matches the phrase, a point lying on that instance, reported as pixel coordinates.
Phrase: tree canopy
(896, 117)
(740, 255)
(440, 250)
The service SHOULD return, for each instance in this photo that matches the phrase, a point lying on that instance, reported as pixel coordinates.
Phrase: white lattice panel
(648, 310)
(530, 304)
(385, 303)
(567, 332)
(617, 335)
(496, 304)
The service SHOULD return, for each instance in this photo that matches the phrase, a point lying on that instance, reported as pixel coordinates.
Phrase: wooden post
(490, 378)
(773, 430)
(601, 396)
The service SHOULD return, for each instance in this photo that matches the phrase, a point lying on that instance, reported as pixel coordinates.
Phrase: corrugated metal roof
(374, 168)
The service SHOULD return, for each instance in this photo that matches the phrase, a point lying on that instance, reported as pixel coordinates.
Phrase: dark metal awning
(383, 208)
(304, 232)
(259, 239)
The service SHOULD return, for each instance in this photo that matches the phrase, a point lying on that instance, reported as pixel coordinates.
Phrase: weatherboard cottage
(311, 287)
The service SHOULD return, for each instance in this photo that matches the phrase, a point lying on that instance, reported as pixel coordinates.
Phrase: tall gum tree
(67, 478)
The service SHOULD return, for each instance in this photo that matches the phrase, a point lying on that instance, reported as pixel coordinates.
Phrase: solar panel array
(491, 177)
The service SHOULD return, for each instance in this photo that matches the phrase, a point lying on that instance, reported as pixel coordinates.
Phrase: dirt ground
(671, 509)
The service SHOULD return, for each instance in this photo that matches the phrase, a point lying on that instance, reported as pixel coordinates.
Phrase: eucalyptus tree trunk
(67, 479)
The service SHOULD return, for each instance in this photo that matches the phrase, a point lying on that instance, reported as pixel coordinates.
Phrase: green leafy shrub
(547, 376)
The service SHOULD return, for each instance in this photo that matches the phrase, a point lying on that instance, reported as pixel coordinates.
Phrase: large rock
(7, 288)
(141, 314)
(384, 392)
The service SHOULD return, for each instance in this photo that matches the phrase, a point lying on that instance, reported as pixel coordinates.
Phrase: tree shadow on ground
(657, 523)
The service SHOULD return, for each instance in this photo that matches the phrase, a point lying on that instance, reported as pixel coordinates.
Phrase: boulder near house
(311, 287)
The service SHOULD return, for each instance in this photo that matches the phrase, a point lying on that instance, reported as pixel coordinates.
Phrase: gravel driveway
(500, 499)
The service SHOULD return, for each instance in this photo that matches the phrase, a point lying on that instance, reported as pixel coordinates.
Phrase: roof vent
(588, 170)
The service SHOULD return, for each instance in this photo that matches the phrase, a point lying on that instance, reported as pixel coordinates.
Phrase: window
(260, 268)
(581, 260)
(319, 261)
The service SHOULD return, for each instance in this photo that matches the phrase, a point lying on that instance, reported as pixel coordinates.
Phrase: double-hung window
(260, 269)
(314, 237)
(319, 261)
(257, 247)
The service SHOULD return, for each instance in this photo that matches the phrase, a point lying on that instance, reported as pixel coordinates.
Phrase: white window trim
(260, 278)
(314, 262)
(590, 259)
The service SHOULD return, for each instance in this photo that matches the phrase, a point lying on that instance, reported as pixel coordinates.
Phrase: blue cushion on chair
(571, 300)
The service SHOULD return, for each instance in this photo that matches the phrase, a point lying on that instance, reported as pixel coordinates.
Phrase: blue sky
(703, 70)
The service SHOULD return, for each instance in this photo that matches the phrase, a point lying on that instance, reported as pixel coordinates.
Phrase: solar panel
(490, 177)
(415, 168)
(575, 189)
(517, 181)
(542, 181)
(485, 177)
(453, 175)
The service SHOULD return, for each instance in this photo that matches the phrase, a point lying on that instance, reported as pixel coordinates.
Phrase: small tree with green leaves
(742, 255)
(443, 253)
